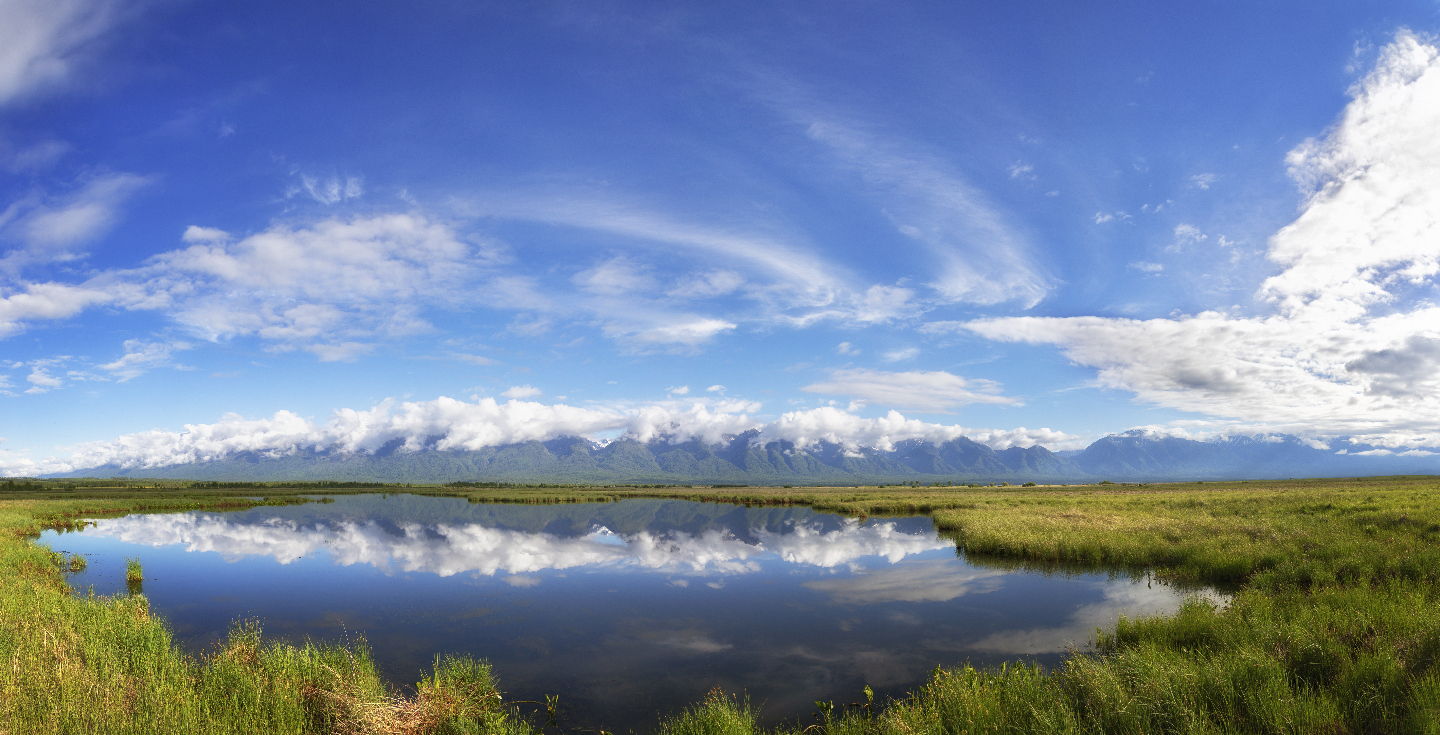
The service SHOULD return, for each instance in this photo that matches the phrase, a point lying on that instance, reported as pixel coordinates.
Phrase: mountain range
(1132, 456)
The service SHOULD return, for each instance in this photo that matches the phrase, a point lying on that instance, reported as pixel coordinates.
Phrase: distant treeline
(508, 485)
(320, 485)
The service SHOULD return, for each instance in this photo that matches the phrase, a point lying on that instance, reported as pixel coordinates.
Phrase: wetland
(1331, 621)
(626, 610)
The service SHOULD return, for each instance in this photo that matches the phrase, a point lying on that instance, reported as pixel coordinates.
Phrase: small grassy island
(1334, 626)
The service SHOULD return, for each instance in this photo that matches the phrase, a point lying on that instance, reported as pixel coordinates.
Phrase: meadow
(1333, 625)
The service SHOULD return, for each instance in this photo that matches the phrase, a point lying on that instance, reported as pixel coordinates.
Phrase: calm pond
(626, 610)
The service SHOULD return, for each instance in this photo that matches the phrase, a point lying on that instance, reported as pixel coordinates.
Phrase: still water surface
(627, 610)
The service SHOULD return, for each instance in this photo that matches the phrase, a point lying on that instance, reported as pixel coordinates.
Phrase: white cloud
(41, 380)
(82, 215)
(446, 424)
(1022, 170)
(686, 330)
(682, 390)
(845, 348)
(49, 227)
(341, 352)
(981, 257)
(1348, 347)
(900, 355)
(1145, 267)
(716, 389)
(707, 285)
(1203, 181)
(522, 391)
(998, 439)
(1187, 235)
(141, 357)
(618, 276)
(41, 40)
(473, 359)
(827, 424)
(789, 281)
(321, 287)
(45, 301)
(932, 391)
(331, 190)
(39, 156)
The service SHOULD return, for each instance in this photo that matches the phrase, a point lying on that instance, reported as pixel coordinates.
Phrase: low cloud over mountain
(448, 440)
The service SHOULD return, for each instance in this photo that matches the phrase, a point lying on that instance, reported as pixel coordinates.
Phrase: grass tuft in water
(717, 714)
(133, 571)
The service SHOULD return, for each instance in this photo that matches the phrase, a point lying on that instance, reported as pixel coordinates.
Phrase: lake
(627, 610)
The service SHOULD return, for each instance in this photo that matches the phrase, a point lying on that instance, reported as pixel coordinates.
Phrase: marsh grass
(79, 663)
(717, 714)
(1334, 625)
(133, 571)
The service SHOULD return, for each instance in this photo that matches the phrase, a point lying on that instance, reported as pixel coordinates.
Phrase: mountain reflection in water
(626, 610)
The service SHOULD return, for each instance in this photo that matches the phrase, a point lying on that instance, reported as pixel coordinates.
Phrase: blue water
(626, 610)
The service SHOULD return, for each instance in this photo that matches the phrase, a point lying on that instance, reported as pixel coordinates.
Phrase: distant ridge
(1131, 456)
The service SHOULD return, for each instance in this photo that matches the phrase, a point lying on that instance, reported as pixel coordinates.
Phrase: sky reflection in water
(625, 609)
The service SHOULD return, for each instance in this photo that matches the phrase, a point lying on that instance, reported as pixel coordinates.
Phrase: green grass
(72, 663)
(1333, 627)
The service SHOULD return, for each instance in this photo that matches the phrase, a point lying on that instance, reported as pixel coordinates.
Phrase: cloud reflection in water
(446, 549)
(937, 580)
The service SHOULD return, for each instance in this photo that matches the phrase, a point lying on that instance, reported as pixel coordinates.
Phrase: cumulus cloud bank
(453, 424)
(1349, 346)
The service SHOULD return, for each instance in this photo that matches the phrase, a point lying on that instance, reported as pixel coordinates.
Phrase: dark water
(626, 610)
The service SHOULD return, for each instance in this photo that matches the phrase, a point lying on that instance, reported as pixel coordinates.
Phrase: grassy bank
(1335, 627)
(74, 663)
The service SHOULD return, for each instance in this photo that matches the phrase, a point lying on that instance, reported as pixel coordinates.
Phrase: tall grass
(1334, 626)
(73, 663)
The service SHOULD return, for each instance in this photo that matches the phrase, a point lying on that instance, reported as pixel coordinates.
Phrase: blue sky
(1023, 223)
